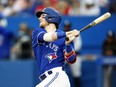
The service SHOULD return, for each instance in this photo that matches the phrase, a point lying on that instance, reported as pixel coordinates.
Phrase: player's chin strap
(69, 54)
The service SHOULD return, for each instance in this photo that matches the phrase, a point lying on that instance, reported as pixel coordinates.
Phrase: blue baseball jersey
(47, 54)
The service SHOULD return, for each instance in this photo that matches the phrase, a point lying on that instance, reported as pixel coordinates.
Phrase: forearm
(52, 36)
(69, 54)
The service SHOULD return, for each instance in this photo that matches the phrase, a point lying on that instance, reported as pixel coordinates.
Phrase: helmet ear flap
(53, 19)
(49, 18)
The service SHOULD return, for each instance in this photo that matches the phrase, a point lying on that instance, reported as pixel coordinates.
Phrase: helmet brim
(39, 13)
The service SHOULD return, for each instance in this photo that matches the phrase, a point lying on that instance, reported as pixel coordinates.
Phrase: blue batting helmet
(53, 16)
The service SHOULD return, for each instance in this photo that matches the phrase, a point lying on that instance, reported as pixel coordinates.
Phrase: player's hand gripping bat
(95, 22)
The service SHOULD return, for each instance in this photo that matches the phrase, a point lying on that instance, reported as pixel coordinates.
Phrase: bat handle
(86, 27)
(67, 39)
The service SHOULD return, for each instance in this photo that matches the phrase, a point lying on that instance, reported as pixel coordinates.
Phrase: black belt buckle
(49, 72)
(43, 76)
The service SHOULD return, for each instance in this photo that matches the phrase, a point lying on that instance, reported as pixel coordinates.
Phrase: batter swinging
(51, 50)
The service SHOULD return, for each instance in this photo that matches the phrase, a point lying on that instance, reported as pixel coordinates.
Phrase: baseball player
(51, 50)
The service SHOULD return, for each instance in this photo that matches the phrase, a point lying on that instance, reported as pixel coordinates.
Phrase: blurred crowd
(66, 7)
(15, 46)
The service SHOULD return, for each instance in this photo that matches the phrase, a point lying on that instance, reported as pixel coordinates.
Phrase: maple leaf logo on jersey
(51, 57)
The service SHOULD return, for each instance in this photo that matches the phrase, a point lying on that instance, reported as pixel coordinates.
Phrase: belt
(49, 72)
(43, 76)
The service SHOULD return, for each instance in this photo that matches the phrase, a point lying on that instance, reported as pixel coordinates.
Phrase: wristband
(61, 34)
(68, 48)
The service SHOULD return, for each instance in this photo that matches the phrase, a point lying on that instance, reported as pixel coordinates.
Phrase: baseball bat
(95, 22)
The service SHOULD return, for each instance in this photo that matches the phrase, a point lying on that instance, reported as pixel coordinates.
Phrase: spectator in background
(109, 45)
(63, 7)
(103, 3)
(22, 48)
(6, 39)
(112, 7)
(90, 8)
(46, 3)
(8, 8)
(19, 7)
(76, 67)
(74, 9)
(25, 7)
(109, 49)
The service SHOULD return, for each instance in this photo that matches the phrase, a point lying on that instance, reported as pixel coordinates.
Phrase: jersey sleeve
(37, 36)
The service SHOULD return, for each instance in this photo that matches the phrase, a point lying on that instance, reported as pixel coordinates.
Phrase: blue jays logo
(51, 57)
